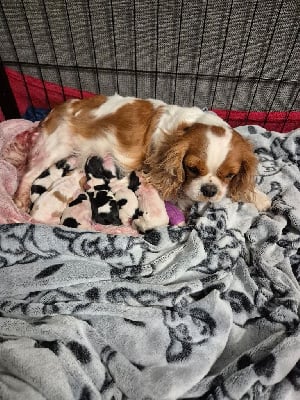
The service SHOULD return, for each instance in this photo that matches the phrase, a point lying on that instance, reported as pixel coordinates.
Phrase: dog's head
(202, 163)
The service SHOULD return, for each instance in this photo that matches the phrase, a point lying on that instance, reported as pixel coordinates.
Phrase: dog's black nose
(209, 190)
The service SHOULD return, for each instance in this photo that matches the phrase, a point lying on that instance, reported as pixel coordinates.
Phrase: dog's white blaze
(112, 104)
(217, 149)
(174, 115)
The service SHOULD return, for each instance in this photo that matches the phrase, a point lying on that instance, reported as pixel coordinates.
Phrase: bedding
(209, 310)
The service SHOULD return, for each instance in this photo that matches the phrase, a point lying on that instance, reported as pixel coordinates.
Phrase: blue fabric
(35, 114)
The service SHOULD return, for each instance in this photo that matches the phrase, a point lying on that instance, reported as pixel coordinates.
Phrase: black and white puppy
(45, 180)
(104, 206)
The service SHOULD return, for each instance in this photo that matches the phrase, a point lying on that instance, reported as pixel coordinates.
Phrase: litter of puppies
(98, 193)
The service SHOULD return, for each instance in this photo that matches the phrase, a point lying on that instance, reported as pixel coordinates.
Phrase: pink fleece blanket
(9, 176)
(20, 133)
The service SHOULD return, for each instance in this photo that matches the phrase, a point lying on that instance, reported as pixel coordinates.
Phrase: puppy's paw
(23, 203)
(261, 201)
(141, 225)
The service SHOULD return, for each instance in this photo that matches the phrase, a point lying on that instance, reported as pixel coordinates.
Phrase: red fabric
(280, 121)
(36, 90)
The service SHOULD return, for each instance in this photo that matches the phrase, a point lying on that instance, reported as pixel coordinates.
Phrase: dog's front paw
(22, 202)
(261, 201)
(141, 224)
(144, 223)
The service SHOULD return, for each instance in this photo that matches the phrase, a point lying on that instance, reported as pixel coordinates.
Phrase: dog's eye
(193, 170)
(230, 176)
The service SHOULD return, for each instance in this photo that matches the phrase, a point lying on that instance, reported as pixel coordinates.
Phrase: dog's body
(187, 154)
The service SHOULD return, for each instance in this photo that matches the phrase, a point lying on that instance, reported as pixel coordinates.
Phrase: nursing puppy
(78, 213)
(152, 212)
(188, 155)
(104, 206)
(124, 190)
(50, 205)
(44, 181)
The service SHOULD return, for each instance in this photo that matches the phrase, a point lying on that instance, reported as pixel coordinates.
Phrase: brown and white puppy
(187, 154)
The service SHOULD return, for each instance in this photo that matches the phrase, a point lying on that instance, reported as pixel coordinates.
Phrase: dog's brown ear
(241, 187)
(164, 168)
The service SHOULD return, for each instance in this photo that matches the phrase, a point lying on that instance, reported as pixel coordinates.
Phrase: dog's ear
(164, 167)
(241, 187)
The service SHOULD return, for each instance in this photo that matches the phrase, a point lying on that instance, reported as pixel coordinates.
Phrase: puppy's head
(203, 163)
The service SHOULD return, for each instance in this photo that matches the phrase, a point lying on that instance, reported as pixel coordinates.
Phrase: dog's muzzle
(209, 190)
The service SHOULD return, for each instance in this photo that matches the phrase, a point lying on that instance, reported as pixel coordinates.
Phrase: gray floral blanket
(206, 311)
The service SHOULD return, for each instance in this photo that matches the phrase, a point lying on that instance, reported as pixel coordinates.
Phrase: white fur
(175, 115)
(105, 208)
(112, 104)
(217, 149)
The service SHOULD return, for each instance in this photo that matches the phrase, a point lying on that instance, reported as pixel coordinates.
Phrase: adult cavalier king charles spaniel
(188, 155)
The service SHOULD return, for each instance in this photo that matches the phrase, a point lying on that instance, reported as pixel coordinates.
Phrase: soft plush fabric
(205, 311)
(9, 176)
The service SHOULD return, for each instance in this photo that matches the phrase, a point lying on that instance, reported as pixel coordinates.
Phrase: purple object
(176, 216)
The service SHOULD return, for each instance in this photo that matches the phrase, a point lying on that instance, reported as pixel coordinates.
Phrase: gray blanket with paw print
(206, 311)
